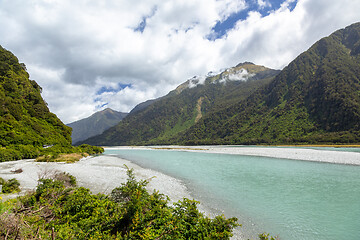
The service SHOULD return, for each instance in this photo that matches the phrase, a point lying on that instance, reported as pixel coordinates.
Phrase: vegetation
(58, 209)
(10, 186)
(313, 100)
(67, 154)
(27, 126)
(53, 153)
(161, 120)
(266, 236)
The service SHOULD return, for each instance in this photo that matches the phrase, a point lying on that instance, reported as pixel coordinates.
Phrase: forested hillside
(25, 120)
(27, 127)
(159, 121)
(315, 99)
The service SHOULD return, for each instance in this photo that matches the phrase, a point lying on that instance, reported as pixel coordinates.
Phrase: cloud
(263, 3)
(229, 7)
(73, 49)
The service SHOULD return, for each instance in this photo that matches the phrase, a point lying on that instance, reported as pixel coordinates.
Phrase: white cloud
(228, 7)
(263, 3)
(240, 75)
(74, 48)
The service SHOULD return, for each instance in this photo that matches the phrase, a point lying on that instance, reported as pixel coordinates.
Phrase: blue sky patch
(221, 28)
(101, 106)
(119, 87)
(142, 25)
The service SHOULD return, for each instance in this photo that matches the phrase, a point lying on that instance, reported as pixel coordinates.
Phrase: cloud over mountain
(73, 49)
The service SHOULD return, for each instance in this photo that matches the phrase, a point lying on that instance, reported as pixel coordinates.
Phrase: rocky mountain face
(95, 124)
(161, 120)
(25, 120)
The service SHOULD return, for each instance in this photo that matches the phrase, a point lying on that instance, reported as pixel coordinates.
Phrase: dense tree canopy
(26, 124)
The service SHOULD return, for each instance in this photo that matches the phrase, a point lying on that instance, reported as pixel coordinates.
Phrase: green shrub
(266, 236)
(17, 152)
(10, 186)
(9, 155)
(130, 212)
(90, 149)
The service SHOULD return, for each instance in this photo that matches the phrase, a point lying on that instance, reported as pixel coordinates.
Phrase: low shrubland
(58, 209)
(9, 186)
(48, 153)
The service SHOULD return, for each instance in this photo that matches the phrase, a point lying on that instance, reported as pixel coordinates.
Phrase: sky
(88, 55)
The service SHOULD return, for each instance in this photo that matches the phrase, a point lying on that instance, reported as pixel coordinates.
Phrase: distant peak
(244, 63)
(107, 110)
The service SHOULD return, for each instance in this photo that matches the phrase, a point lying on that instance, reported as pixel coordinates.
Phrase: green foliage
(10, 186)
(266, 236)
(130, 212)
(85, 148)
(26, 124)
(68, 154)
(16, 152)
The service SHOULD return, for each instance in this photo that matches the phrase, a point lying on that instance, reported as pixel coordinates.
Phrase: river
(291, 199)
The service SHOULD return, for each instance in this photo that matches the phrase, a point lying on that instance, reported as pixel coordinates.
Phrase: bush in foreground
(58, 209)
(9, 186)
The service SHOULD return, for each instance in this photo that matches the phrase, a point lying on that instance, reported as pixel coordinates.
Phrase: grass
(67, 158)
(6, 206)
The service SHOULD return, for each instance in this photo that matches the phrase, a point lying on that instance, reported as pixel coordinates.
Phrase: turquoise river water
(291, 199)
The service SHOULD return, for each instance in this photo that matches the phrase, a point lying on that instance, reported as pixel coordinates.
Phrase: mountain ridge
(314, 99)
(95, 124)
(165, 117)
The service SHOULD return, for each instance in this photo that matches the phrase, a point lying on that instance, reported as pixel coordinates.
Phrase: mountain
(315, 99)
(162, 119)
(95, 124)
(25, 120)
(143, 105)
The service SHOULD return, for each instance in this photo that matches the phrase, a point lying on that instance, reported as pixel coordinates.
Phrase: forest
(27, 128)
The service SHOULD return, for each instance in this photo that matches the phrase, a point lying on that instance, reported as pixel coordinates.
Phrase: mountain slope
(162, 119)
(95, 124)
(25, 120)
(316, 98)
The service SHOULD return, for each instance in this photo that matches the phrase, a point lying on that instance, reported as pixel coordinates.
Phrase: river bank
(101, 174)
(325, 155)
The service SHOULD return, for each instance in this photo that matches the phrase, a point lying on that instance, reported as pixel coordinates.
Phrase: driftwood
(7, 234)
(17, 170)
(14, 231)
(52, 234)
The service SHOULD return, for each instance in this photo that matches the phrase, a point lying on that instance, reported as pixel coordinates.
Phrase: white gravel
(294, 153)
(304, 154)
(100, 174)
